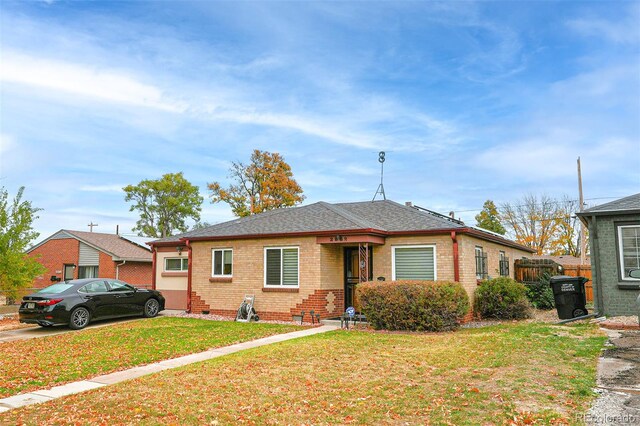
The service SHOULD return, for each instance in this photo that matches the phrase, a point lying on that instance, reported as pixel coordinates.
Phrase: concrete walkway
(36, 397)
(618, 381)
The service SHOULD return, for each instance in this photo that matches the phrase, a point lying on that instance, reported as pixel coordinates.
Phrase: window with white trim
(481, 264)
(628, 250)
(222, 262)
(176, 264)
(281, 266)
(503, 264)
(414, 263)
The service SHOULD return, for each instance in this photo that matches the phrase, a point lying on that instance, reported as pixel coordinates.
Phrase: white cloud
(621, 31)
(83, 80)
(102, 188)
(6, 142)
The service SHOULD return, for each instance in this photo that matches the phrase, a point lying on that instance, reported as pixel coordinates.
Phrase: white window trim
(475, 257)
(175, 270)
(621, 254)
(264, 271)
(435, 259)
(213, 265)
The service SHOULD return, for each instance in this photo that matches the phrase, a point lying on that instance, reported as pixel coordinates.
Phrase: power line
(551, 202)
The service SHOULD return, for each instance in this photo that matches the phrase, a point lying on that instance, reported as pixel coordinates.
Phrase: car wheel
(151, 308)
(79, 318)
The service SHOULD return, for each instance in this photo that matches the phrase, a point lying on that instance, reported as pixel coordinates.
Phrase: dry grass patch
(508, 373)
(50, 361)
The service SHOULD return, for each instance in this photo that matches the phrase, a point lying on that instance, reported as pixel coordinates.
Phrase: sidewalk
(45, 395)
(618, 381)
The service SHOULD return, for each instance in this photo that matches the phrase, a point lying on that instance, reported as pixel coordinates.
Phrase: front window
(222, 263)
(281, 266)
(414, 263)
(481, 264)
(629, 250)
(504, 265)
(176, 264)
(87, 272)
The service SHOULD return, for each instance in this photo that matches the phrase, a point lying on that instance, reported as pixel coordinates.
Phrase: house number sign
(338, 238)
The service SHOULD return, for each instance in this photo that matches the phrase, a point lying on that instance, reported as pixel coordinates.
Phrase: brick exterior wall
(321, 269)
(136, 273)
(617, 300)
(53, 255)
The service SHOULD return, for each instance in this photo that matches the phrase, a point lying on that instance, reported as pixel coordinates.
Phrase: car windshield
(56, 288)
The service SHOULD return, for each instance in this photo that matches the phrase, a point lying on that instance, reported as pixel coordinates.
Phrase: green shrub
(540, 294)
(413, 305)
(502, 298)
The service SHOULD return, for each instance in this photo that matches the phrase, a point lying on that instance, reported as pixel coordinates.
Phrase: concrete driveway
(618, 381)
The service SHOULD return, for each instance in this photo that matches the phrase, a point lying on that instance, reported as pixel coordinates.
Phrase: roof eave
(284, 234)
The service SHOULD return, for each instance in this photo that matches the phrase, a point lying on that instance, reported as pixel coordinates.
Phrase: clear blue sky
(471, 100)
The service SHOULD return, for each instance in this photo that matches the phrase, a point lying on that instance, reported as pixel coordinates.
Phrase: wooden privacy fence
(530, 271)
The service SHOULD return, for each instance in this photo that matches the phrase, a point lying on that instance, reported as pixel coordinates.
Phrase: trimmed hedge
(502, 298)
(413, 305)
(540, 294)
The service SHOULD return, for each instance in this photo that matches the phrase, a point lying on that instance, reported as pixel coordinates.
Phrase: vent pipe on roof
(452, 214)
(117, 229)
(408, 204)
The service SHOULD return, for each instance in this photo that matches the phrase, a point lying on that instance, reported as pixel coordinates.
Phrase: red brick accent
(280, 290)
(318, 303)
(198, 305)
(220, 280)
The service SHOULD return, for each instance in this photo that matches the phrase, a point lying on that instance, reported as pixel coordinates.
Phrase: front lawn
(50, 361)
(504, 374)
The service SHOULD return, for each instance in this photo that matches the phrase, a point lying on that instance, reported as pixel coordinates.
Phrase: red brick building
(76, 254)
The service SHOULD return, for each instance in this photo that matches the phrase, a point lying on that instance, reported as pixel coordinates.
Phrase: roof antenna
(91, 225)
(380, 189)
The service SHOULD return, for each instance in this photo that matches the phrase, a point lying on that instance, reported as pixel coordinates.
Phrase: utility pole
(583, 232)
(91, 225)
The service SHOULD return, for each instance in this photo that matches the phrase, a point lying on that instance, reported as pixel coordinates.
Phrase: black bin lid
(566, 278)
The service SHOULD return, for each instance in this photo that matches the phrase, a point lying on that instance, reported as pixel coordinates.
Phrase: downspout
(456, 257)
(187, 243)
(118, 265)
(595, 257)
(153, 269)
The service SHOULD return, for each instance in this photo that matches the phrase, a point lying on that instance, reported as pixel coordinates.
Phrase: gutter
(118, 268)
(597, 265)
(190, 268)
(456, 257)
(153, 268)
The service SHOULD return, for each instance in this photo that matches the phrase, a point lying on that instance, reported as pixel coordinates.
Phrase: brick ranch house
(76, 254)
(313, 256)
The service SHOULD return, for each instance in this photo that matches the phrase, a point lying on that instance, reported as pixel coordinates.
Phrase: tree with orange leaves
(266, 183)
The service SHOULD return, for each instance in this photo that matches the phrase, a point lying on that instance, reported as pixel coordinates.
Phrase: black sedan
(77, 302)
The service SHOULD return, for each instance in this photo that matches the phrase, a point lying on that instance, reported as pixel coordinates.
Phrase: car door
(96, 297)
(124, 298)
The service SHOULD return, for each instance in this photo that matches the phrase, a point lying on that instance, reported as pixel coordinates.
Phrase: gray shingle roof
(382, 215)
(621, 206)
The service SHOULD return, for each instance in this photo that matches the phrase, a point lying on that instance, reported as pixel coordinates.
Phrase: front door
(352, 274)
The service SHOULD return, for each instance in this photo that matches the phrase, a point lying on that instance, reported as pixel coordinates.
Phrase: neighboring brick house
(76, 254)
(614, 236)
(313, 256)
